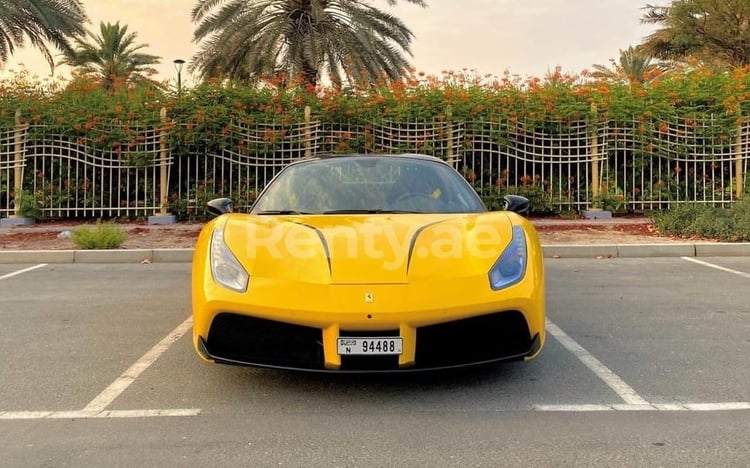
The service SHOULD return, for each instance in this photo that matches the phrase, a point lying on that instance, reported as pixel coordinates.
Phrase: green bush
(677, 220)
(712, 223)
(707, 222)
(28, 206)
(740, 212)
(540, 202)
(102, 236)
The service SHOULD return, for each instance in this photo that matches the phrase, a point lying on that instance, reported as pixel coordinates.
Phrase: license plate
(374, 346)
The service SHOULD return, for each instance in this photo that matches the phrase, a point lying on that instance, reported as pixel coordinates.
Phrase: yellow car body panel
(367, 273)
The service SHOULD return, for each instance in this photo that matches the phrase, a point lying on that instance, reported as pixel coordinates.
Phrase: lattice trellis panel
(648, 164)
(345, 137)
(241, 165)
(9, 165)
(653, 164)
(437, 138)
(72, 178)
(550, 163)
(743, 154)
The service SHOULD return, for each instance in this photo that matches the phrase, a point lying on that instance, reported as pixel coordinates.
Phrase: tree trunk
(309, 74)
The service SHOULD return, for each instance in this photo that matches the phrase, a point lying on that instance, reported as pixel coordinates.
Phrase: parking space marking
(20, 272)
(625, 391)
(717, 267)
(740, 405)
(106, 397)
(633, 401)
(662, 407)
(592, 408)
(26, 415)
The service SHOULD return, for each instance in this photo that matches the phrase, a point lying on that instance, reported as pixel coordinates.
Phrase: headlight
(225, 268)
(511, 266)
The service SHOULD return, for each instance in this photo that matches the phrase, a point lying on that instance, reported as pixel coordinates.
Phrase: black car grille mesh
(249, 340)
(267, 342)
(476, 339)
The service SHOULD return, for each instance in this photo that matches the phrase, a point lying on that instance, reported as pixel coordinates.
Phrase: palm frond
(112, 54)
(341, 39)
(42, 23)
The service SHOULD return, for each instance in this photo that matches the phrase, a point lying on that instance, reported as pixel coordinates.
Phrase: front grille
(251, 340)
(240, 339)
(369, 363)
(477, 339)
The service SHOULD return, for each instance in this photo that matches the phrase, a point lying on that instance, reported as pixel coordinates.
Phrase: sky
(524, 37)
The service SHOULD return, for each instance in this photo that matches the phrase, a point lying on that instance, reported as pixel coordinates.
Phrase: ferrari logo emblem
(369, 297)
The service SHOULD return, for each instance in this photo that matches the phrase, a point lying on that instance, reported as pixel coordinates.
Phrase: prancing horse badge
(369, 297)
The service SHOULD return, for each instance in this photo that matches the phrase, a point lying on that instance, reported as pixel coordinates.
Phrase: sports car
(368, 263)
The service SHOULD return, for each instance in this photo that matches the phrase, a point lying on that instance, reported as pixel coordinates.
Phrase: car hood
(368, 249)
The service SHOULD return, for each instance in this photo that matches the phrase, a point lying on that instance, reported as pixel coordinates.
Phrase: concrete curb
(579, 251)
(97, 256)
(704, 249)
(550, 251)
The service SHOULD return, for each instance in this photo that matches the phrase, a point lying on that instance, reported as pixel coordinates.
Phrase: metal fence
(622, 166)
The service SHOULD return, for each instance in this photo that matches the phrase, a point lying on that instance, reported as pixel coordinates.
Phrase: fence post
(17, 162)
(596, 210)
(738, 176)
(163, 189)
(594, 153)
(308, 133)
(18, 165)
(164, 217)
(449, 125)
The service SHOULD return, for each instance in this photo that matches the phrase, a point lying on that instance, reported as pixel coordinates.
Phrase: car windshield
(368, 184)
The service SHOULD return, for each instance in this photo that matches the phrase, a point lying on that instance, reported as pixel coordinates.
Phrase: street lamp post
(178, 63)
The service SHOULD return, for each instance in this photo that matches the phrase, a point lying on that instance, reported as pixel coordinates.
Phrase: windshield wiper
(282, 212)
(374, 211)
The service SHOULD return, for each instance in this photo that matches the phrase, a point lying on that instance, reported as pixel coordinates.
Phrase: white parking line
(730, 406)
(26, 415)
(717, 267)
(633, 401)
(20, 272)
(625, 391)
(106, 397)
(740, 405)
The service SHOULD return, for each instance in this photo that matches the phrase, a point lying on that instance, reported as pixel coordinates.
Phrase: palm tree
(41, 22)
(342, 39)
(112, 55)
(715, 33)
(670, 41)
(634, 67)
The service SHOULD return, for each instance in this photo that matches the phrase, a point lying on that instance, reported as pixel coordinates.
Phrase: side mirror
(220, 206)
(516, 203)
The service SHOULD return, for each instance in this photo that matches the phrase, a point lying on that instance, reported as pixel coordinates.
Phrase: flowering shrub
(665, 118)
(82, 107)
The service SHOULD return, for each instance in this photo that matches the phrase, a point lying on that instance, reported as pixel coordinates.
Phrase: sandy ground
(581, 232)
(45, 236)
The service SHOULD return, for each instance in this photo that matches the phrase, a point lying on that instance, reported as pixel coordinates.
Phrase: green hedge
(83, 109)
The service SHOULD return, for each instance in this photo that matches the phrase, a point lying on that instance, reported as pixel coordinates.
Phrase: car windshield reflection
(368, 185)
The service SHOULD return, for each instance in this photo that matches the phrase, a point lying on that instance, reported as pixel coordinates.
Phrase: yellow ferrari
(368, 263)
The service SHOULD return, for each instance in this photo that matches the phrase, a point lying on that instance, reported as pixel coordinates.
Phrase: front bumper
(245, 340)
(444, 321)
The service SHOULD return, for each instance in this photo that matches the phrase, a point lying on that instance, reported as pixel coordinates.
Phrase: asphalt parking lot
(646, 364)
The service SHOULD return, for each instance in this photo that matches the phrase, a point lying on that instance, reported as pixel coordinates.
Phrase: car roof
(325, 156)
